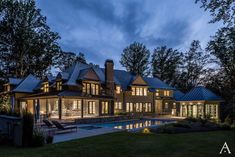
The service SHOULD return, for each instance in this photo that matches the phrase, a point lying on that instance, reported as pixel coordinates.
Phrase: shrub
(228, 120)
(38, 138)
(225, 126)
(181, 125)
(28, 123)
(49, 139)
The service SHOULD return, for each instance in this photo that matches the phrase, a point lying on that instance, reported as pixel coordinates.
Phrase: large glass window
(157, 93)
(118, 89)
(59, 85)
(139, 91)
(105, 107)
(91, 107)
(166, 93)
(129, 107)
(46, 87)
(90, 88)
(211, 110)
(118, 105)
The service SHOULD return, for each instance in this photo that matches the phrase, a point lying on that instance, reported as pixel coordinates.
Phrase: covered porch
(67, 107)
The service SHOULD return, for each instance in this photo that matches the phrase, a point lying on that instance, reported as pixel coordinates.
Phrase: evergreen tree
(27, 45)
(135, 58)
(165, 63)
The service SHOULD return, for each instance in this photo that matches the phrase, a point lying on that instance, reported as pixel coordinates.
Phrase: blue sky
(101, 29)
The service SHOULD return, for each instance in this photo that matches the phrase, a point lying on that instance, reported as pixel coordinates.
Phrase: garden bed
(190, 125)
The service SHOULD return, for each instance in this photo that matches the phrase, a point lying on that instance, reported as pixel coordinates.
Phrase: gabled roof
(138, 80)
(28, 84)
(178, 94)
(200, 93)
(77, 67)
(124, 78)
(83, 75)
(14, 81)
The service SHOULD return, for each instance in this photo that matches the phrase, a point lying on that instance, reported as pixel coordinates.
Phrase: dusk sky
(101, 29)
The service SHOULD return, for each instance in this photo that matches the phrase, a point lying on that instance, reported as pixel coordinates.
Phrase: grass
(136, 145)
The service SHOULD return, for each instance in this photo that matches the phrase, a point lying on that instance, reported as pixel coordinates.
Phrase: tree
(221, 10)
(222, 46)
(194, 67)
(27, 45)
(135, 58)
(165, 63)
(67, 59)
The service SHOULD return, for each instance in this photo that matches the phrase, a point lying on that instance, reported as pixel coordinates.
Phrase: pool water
(134, 124)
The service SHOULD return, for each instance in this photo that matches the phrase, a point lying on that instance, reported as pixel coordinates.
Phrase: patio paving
(82, 133)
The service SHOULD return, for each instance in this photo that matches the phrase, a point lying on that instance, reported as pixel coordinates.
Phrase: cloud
(103, 28)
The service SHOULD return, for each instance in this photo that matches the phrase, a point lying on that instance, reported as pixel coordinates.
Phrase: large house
(86, 90)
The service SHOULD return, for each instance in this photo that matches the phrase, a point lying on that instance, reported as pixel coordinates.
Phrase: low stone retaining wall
(104, 119)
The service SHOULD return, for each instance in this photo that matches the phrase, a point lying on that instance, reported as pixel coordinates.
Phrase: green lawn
(137, 145)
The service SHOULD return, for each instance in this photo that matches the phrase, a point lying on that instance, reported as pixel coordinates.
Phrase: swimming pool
(135, 124)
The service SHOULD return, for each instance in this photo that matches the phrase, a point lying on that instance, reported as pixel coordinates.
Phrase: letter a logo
(225, 149)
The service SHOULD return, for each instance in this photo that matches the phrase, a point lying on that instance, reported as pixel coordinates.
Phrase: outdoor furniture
(64, 127)
(48, 123)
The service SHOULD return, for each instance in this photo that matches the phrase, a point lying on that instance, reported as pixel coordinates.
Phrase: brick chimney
(109, 77)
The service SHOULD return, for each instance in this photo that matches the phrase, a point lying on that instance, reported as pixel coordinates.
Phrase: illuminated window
(145, 91)
(77, 105)
(139, 91)
(166, 105)
(91, 107)
(7, 88)
(58, 85)
(166, 93)
(118, 106)
(46, 87)
(118, 89)
(133, 91)
(147, 107)
(90, 88)
(157, 93)
(105, 107)
(129, 107)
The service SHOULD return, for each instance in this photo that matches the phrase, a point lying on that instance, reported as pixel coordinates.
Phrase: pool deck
(82, 133)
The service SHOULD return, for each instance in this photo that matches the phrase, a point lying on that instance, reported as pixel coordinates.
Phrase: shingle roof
(14, 81)
(78, 71)
(200, 93)
(75, 73)
(124, 78)
(178, 94)
(155, 83)
(28, 84)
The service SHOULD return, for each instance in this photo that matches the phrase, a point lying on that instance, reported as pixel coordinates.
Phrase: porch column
(47, 108)
(111, 107)
(100, 108)
(60, 107)
(204, 110)
(181, 110)
(38, 110)
(82, 102)
(217, 111)
(186, 110)
(203, 114)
